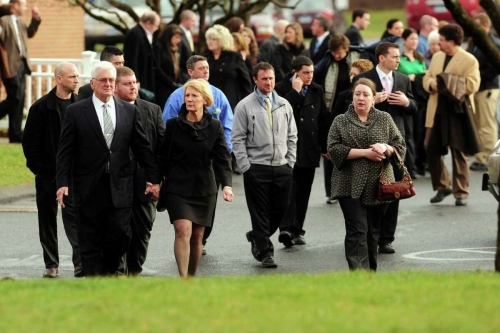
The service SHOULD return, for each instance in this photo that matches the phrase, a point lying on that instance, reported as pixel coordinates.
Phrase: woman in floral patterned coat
(358, 142)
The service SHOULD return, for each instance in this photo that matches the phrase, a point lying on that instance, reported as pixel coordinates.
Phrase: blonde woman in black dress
(193, 152)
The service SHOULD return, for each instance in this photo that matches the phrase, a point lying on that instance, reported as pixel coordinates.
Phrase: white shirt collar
(321, 38)
(382, 74)
(148, 34)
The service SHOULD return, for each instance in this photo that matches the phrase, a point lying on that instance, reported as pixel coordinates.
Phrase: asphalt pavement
(440, 237)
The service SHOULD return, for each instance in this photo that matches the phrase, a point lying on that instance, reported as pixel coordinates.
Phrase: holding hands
(227, 193)
(154, 189)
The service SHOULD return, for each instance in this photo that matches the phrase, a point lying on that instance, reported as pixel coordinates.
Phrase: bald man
(267, 47)
(40, 143)
(427, 25)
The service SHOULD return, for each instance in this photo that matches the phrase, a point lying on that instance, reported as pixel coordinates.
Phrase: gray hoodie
(252, 138)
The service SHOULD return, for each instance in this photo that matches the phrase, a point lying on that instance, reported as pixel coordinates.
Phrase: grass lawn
(337, 302)
(13, 170)
(378, 20)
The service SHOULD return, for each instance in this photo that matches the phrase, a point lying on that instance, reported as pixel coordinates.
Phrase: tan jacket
(461, 64)
(9, 39)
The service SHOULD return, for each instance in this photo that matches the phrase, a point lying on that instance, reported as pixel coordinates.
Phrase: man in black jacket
(40, 143)
(93, 159)
(320, 29)
(143, 208)
(485, 99)
(394, 96)
(360, 21)
(138, 50)
(313, 122)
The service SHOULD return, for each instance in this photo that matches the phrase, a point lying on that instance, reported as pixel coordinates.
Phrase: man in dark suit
(94, 159)
(188, 22)
(313, 123)
(138, 50)
(360, 21)
(143, 208)
(320, 29)
(109, 53)
(266, 49)
(40, 142)
(394, 96)
(14, 36)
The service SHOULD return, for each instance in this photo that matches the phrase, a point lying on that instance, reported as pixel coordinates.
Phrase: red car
(415, 9)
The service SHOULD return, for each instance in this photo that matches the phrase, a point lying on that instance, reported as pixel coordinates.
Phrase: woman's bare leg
(196, 248)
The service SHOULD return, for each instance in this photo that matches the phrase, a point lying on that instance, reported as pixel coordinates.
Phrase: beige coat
(461, 64)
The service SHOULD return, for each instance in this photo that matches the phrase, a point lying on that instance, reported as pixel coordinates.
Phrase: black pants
(143, 217)
(47, 221)
(267, 191)
(390, 219)
(327, 170)
(208, 230)
(13, 105)
(103, 231)
(411, 152)
(295, 214)
(362, 232)
(419, 135)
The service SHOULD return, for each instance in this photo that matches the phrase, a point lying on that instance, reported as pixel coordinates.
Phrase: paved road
(430, 237)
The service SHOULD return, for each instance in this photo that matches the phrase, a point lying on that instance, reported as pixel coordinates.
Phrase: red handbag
(403, 189)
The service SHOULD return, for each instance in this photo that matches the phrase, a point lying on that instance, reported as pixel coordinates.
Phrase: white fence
(43, 75)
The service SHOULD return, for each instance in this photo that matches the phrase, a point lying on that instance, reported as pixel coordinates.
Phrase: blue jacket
(220, 110)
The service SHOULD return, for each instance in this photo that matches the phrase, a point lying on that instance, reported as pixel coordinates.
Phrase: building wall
(61, 33)
(379, 4)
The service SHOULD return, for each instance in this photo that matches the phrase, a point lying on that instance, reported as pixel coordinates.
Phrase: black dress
(199, 152)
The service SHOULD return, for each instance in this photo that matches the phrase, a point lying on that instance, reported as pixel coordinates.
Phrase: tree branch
(121, 26)
(493, 11)
(481, 39)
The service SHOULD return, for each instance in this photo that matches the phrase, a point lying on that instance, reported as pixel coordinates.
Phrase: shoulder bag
(403, 189)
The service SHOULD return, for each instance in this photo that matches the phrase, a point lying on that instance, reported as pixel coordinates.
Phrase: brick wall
(61, 33)
(379, 4)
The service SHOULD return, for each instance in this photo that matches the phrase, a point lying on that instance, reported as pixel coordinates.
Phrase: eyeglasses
(105, 80)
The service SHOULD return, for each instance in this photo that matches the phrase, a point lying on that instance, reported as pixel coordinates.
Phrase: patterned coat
(358, 178)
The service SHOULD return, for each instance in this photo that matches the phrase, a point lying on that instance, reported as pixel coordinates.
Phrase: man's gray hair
(191, 62)
(103, 65)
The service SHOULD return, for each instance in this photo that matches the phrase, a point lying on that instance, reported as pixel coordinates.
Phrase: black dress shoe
(440, 195)
(461, 202)
(286, 238)
(79, 271)
(268, 262)
(253, 248)
(478, 167)
(386, 248)
(51, 273)
(421, 170)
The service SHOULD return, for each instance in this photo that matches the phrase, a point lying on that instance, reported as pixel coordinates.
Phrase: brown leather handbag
(403, 189)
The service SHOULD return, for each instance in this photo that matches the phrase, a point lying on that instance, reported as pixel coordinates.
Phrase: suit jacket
(311, 118)
(9, 39)
(230, 74)
(139, 56)
(461, 64)
(323, 48)
(152, 123)
(85, 91)
(84, 154)
(266, 49)
(354, 36)
(401, 83)
(185, 50)
(41, 134)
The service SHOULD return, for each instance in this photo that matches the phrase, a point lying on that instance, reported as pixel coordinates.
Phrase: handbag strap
(401, 163)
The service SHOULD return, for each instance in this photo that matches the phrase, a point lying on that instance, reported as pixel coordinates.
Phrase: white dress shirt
(381, 76)
(100, 112)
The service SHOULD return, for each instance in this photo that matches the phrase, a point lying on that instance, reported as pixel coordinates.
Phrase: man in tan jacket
(441, 114)
(14, 36)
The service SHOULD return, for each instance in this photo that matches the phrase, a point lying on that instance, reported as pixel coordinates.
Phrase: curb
(13, 193)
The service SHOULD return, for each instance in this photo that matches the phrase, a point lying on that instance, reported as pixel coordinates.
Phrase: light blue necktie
(316, 47)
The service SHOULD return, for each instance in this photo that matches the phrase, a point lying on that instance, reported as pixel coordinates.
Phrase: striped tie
(108, 126)
(269, 110)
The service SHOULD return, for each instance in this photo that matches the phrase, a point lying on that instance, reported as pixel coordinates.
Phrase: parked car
(305, 12)
(415, 9)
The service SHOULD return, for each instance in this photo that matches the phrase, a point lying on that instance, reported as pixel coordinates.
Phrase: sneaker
(331, 201)
(299, 240)
(268, 262)
(286, 238)
(204, 252)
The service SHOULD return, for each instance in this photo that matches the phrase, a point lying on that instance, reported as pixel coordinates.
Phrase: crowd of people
(158, 119)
